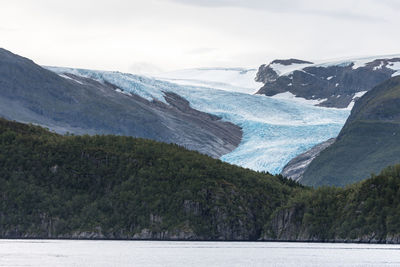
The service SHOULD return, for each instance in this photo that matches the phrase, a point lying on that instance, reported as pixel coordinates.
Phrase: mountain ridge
(30, 93)
(335, 83)
(368, 142)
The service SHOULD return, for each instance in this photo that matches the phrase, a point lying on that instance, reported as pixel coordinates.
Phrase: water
(166, 253)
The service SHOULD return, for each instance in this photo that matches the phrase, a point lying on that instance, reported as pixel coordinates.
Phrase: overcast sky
(151, 35)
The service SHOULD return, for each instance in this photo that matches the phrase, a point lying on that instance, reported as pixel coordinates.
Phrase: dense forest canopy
(55, 186)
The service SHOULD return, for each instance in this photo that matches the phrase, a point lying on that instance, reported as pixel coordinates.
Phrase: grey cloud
(395, 4)
(287, 6)
(345, 15)
(266, 4)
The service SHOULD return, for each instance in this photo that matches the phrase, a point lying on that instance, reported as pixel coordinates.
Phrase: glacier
(274, 130)
(228, 79)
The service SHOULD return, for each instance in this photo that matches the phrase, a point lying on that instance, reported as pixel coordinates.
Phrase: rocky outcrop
(288, 225)
(298, 165)
(335, 84)
(267, 74)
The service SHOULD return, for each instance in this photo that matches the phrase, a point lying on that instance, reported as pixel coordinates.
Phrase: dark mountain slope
(365, 212)
(368, 142)
(29, 93)
(55, 186)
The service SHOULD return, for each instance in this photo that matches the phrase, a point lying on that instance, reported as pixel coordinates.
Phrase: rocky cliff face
(288, 225)
(334, 84)
(70, 103)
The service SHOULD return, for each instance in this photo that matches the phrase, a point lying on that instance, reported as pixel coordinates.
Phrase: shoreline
(204, 240)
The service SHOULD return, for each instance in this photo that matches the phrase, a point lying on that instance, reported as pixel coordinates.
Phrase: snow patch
(69, 78)
(394, 66)
(359, 94)
(228, 79)
(284, 70)
(380, 66)
(291, 97)
(355, 97)
(123, 92)
(362, 62)
(355, 62)
(397, 73)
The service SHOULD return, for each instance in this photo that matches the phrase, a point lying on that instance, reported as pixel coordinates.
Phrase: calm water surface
(164, 253)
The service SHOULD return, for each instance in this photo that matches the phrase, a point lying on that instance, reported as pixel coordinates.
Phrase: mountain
(226, 124)
(68, 103)
(268, 142)
(368, 142)
(336, 83)
(117, 187)
(110, 187)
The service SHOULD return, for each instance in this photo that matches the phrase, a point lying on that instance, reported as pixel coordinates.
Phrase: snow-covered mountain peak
(378, 62)
(337, 82)
(285, 66)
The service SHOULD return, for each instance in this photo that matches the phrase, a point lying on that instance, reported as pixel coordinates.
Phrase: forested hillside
(54, 186)
(368, 211)
(121, 187)
(368, 142)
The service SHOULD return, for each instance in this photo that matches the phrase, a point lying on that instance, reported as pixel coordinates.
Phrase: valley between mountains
(255, 118)
(198, 154)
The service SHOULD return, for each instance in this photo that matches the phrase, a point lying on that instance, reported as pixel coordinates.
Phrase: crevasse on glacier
(274, 130)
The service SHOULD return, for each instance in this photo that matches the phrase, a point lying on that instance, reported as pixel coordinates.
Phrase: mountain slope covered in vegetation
(368, 142)
(116, 187)
(121, 187)
(368, 211)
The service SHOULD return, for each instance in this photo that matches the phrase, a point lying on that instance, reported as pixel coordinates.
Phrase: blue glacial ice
(274, 130)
